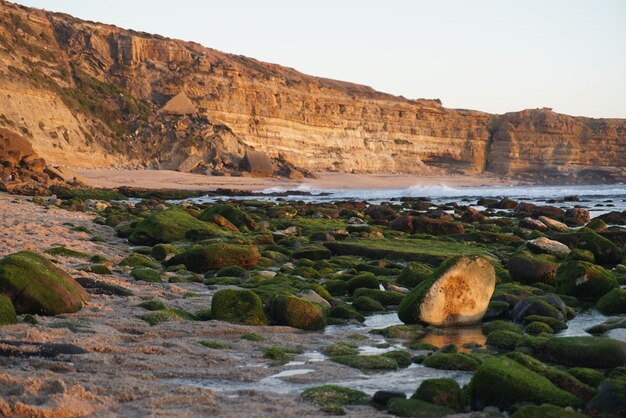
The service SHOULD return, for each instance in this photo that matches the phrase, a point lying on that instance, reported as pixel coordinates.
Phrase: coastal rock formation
(89, 94)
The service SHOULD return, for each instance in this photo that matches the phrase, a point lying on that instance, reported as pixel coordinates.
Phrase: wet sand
(165, 179)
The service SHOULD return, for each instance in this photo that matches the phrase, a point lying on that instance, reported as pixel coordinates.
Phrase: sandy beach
(165, 179)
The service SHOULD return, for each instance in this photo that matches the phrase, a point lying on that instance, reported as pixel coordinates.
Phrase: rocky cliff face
(89, 94)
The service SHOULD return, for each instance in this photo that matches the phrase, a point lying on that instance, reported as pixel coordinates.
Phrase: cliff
(88, 94)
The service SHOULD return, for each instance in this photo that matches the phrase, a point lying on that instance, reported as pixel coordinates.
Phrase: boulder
(457, 293)
(576, 217)
(443, 392)
(529, 268)
(258, 164)
(534, 224)
(471, 215)
(503, 382)
(426, 225)
(216, 256)
(297, 313)
(312, 296)
(238, 307)
(233, 214)
(179, 105)
(592, 352)
(613, 302)
(7, 311)
(171, 225)
(554, 225)
(584, 280)
(549, 212)
(610, 400)
(605, 251)
(543, 245)
(549, 305)
(36, 286)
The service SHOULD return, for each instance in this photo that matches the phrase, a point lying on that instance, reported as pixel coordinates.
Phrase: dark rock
(576, 217)
(381, 397)
(258, 164)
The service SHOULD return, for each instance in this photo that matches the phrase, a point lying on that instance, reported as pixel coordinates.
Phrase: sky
(491, 55)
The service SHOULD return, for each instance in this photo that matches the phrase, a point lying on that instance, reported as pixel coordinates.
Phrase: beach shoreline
(166, 179)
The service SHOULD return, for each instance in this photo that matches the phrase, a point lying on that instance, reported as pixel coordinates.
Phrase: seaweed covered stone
(171, 225)
(597, 353)
(503, 382)
(613, 303)
(297, 312)
(443, 392)
(200, 259)
(233, 214)
(239, 307)
(529, 268)
(458, 292)
(584, 280)
(36, 286)
(7, 311)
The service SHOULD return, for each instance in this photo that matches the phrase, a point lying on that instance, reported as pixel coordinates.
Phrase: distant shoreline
(166, 179)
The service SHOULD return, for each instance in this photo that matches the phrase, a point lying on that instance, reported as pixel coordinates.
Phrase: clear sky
(495, 56)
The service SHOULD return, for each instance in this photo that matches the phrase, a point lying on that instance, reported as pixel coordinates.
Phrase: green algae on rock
(7, 311)
(451, 361)
(417, 408)
(200, 259)
(613, 302)
(37, 286)
(443, 392)
(171, 225)
(297, 313)
(239, 307)
(503, 382)
(584, 280)
(333, 398)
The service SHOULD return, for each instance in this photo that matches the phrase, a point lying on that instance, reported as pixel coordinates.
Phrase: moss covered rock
(611, 399)
(503, 339)
(492, 326)
(146, 274)
(613, 302)
(605, 251)
(364, 280)
(238, 306)
(414, 274)
(584, 280)
(586, 375)
(366, 362)
(216, 256)
(451, 361)
(7, 311)
(233, 214)
(503, 382)
(529, 268)
(443, 392)
(594, 352)
(169, 226)
(139, 260)
(333, 398)
(545, 411)
(364, 304)
(416, 408)
(161, 251)
(457, 293)
(36, 286)
(297, 312)
(385, 298)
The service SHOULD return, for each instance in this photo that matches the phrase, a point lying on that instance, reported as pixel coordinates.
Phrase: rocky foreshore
(286, 308)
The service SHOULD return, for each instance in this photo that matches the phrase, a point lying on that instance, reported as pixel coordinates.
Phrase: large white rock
(460, 295)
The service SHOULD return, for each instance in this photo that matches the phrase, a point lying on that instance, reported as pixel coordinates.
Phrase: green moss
(364, 305)
(492, 326)
(443, 392)
(366, 362)
(80, 229)
(416, 408)
(153, 305)
(216, 256)
(239, 307)
(584, 280)
(559, 378)
(588, 376)
(66, 252)
(253, 336)
(233, 214)
(146, 274)
(281, 354)
(298, 313)
(537, 327)
(336, 287)
(594, 352)
(84, 194)
(36, 286)
(172, 225)
(503, 382)
(217, 345)
(340, 349)
(344, 311)
(99, 269)
(309, 226)
(503, 339)
(403, 358)
(613, 302)
(233, 271)
(333, 398)
(160, 251)
(407, 332)
(529, 268)
(414, 274)
(581, 255)
(428, 251)
(165, 315)
(364, 280)
(545, 411)
(451, 361)
(604, 251)
(385, 298)
(139, 260)
(409, 309)
(553, 323)
(7, 311)
(312, 253)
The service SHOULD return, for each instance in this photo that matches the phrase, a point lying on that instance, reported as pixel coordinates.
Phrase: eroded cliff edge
(88, 94)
